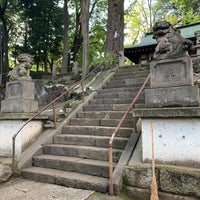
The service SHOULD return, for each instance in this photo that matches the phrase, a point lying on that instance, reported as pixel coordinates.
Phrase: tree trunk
(46, 58)
(115, 27)
(85, 34)
(65, 38)
(5, 37)
(78, 39)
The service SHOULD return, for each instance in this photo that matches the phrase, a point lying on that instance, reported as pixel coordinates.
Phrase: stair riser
(120, 97)
(100, 122)
(107, 115)
(103, 96)
(84, 122)
(119, 90)
(109, 101)
(126, 80)
(65, 182)
(131, 71)
(95, 142)
(122, 86)
(114, 107)
(84, 168)
(112, 123)
(82, 185)
(96, 131)
(140, 105)
(81, 153)
(129, 76)
(104, 91)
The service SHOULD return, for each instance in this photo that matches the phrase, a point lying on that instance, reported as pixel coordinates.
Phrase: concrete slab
(30, 190)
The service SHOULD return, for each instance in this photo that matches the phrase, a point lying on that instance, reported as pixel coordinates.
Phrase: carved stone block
(171, 72)
(172, 97)
(19, 97)
(20, 90)
(19, 105)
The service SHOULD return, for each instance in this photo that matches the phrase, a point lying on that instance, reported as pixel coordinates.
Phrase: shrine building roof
(148, 44)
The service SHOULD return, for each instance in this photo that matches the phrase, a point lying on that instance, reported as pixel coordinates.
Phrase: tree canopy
(52, 30)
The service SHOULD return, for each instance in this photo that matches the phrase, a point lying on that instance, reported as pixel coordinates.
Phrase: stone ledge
(182, 112)
(182, 96)
(20, 116)
(19, 105)
(176, 180)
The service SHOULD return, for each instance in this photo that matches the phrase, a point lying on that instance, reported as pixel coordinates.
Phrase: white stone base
(176, 140)
(28, 134)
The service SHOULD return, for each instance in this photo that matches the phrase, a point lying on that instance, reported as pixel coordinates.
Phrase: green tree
(137, 20)
(97, 29)
(65, 37)
(186, 11)
(45, 28)
(8, 10)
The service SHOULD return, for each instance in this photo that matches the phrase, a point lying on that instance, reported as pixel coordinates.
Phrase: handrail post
(111, 170)
(54, 115)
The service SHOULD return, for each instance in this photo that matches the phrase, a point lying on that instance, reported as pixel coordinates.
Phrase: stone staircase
(79, 156)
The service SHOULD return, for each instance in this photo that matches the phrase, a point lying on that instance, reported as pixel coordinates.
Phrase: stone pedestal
(19, 97)
(171, 84)
(10, 123)
(176, 135)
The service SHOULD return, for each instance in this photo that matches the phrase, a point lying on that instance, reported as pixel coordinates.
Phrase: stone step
(119, 95)
(140, 105)
(73, 164)
(135, 69)
(79, 156)
(99, 122)
(96, 130)
(88, 140)
(96, 153)
(106, 107)
(119, 90)
(103, 114)
(128, 76)
(107, 95)
(111, 86)
(126, 81)
(131, 74)
(68, 179)
(105, 100)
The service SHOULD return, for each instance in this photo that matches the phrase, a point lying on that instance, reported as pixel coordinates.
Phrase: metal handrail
(132, 105)
(52, 103)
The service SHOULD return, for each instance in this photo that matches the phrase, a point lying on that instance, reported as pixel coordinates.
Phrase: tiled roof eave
(140, 48)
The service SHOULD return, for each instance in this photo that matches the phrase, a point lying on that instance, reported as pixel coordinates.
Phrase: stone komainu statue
(170, 42)
(22, 70)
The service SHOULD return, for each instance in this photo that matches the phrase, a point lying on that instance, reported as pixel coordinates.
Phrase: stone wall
(174, 183)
